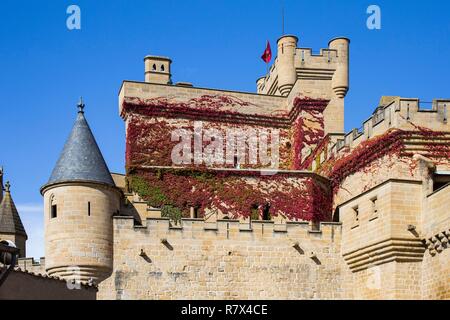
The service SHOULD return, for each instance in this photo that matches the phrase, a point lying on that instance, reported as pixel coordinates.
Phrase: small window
(266, 212)
(162, 68)
(54, 211)
(374, 206)
(53, 207)
(154, 67)
(356, 214)
(89, 209)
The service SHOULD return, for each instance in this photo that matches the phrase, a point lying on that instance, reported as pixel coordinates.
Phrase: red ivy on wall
(220, 109)
(150, 123)
(308, 130)
(393, 142)
(149, 126)
(235, 193)
(148, 144)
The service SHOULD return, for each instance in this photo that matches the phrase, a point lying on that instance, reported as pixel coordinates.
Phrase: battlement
(400, 113)
(232, 229)
(32, 265)
(325, 55)
(393, 112)
(301, 64)
(225, 260)
(308, 66)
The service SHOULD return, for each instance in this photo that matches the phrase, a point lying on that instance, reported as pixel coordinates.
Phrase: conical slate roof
(10, 222)
(81, 158)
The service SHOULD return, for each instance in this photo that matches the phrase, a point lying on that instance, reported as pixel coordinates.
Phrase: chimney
(157, 70)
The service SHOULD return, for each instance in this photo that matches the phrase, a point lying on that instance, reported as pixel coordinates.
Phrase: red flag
(267, 55)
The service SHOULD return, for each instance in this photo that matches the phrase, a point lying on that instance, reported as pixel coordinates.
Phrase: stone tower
(11, 227)
(298, 71)
(80, 200)
(287, 74)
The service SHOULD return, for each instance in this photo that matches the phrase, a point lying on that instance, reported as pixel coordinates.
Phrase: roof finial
(7, 186)
(81, 106)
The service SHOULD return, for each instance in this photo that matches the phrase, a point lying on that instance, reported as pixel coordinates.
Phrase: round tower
(340, 82)
(80, 200)
(287, 75)
(260, 84)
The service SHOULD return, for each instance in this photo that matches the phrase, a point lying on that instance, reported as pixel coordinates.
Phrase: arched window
(154, 67)
(162, 68)
(53, 207)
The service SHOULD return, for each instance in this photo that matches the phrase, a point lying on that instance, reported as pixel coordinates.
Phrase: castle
(357, 215)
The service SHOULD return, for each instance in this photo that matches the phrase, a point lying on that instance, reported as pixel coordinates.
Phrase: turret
(11, 226)
(80, 200)
(157, 70)
(287, 74)
(260, 84)
(340, 82)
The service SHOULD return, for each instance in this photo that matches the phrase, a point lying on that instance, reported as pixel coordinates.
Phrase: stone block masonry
(225, 260)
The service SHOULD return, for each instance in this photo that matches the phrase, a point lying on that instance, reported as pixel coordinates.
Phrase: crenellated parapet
(225, 260)
(232, 229)
(327, 70)
(409, 115)
(32, 265)
(400, 113)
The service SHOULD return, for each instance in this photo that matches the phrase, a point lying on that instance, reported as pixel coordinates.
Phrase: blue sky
(44, 67)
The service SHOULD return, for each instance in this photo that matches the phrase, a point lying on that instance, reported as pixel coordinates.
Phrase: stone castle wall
(225, 260)
(436, 231)
(32, 265)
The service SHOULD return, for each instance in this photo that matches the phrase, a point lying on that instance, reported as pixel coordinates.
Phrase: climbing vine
(150, 124)
(243, 194)
(392, 143)
(234, 193)
(149, 142)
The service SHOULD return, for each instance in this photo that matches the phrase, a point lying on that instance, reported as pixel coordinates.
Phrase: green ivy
(254, 215)
(172, 213)
(153, 194)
